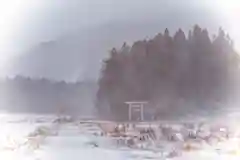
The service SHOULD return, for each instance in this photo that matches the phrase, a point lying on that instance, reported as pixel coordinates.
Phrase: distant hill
(78, 55)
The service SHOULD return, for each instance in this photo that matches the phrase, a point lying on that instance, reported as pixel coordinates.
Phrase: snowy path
(70, 144)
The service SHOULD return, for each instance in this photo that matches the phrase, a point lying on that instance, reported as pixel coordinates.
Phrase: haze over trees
(27, 95)
(176, 73)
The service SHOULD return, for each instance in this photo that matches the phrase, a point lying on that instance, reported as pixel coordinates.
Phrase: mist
(69, 40)
(82, 33)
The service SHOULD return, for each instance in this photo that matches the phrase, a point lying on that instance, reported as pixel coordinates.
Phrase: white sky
(23, 22)
(13, 14)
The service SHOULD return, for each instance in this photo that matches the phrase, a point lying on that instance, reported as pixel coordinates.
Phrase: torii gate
(136, 105)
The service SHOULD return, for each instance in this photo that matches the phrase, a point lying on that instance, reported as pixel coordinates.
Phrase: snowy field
(36, 137)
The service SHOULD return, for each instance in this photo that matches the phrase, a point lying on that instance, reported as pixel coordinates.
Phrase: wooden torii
(136, 105)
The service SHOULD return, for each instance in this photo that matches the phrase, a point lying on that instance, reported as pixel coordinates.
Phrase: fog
(68, 41)
(84, 31)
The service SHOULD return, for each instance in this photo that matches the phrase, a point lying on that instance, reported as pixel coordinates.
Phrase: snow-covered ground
(37, 137)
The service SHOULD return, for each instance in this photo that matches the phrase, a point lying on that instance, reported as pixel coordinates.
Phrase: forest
(177, 74)
(40, 95)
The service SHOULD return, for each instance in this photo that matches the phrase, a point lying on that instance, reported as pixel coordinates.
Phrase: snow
(36, 137)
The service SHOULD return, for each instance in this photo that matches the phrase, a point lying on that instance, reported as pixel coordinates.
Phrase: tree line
(175, 73)
(24, 94)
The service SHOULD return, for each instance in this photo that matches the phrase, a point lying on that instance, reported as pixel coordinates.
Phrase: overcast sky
(26, 23)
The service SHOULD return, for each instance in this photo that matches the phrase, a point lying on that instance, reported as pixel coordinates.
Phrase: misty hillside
(78, 55)
(175, 74)
(43, 96)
